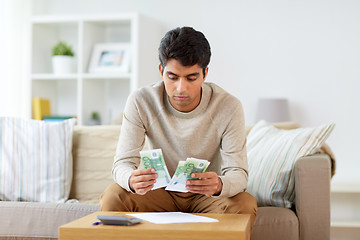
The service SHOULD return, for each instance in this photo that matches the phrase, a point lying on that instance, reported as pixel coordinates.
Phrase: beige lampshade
(273, 110)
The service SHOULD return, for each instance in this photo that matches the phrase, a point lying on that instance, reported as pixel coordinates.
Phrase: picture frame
(110, 58)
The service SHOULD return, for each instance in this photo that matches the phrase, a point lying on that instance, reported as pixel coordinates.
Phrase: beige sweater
(214, 130)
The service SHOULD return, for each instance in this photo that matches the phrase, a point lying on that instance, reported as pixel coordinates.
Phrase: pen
(96, 223)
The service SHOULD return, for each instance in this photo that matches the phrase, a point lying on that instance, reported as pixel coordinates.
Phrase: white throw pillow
(272, 154)
(35, 160)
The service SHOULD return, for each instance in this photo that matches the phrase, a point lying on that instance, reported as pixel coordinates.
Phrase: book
(40, 108)
(56, 118)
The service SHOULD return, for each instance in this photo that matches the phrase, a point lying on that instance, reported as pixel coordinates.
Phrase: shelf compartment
(95, 32)
(107, 97)
(47, 35)
(62, 95)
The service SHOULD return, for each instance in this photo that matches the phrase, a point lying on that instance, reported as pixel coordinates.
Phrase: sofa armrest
(312, 196)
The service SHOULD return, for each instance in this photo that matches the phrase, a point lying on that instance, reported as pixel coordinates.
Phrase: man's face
(183, 84)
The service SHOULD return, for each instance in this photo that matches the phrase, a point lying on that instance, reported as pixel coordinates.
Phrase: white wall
(14, 16)
(307, 51)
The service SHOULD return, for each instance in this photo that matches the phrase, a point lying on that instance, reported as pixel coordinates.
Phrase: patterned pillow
(272, 154)
(35, 160)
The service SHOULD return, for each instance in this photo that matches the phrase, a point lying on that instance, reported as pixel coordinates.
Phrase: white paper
(171, 217)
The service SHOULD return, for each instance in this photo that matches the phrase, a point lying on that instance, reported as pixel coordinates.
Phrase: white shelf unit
(345, 211)
(81, 93)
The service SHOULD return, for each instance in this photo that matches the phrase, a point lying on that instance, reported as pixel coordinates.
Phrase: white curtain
(14, 57)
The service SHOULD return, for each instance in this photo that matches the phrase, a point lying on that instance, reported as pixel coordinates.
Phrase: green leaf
(63, 49)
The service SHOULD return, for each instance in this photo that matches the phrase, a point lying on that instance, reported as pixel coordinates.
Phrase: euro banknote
(183, 173)
(155, 159)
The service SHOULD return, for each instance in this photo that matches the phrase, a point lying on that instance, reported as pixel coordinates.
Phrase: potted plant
(62, 58)
(95, 119)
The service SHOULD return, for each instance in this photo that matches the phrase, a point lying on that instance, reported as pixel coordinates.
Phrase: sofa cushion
(93, 155)
(275, 223)
(272, 154)
(35, 160)
(27, 220)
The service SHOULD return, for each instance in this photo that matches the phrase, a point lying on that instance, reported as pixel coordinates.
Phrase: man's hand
(209, 184)
(142, 181)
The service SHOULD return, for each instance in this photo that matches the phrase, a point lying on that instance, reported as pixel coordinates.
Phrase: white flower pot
(63, 64)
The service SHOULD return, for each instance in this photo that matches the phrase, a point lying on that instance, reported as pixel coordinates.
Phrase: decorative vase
(63, 64)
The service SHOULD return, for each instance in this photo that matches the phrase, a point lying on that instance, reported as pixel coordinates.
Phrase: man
(185, 117)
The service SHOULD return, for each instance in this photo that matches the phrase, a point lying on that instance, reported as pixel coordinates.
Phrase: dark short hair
(187, 46)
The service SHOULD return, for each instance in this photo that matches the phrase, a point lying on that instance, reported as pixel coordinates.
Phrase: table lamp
(273, 110)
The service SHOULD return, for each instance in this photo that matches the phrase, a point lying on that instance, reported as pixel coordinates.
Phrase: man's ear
(161, 70)
(206, 73)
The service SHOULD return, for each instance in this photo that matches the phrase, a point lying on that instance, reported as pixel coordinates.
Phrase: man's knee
(112, 198)
(249, 203)
(244, 203)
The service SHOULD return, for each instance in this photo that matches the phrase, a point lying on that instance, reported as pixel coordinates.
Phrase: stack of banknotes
(155, 159)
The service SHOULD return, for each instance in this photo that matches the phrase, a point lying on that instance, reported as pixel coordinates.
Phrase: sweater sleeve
(234, 167)
(131, 142)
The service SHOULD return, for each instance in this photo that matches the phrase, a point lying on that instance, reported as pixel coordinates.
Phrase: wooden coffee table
(230, 226)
